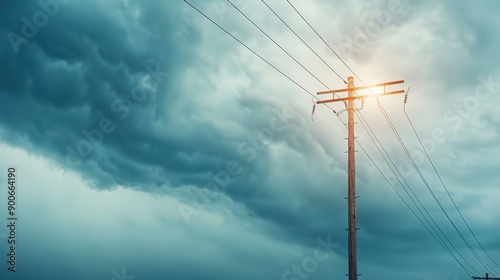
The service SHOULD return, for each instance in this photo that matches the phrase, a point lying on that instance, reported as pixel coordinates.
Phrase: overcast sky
(150, 144)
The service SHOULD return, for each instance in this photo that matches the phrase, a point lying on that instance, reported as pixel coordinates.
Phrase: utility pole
(487, 277)
(351, 166)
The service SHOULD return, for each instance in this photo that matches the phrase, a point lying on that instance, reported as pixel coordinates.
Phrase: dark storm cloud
(72, 76)
(78, 71)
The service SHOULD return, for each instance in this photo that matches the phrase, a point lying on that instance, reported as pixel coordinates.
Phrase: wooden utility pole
(351, 183)
(351, 165)
(487, 277)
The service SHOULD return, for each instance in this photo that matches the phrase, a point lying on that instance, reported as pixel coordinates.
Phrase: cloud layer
(150, 102)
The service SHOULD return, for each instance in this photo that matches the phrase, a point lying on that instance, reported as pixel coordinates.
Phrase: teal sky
(150, 144)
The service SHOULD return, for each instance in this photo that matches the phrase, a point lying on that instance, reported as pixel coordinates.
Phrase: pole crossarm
(361, 87)
(359, 97)
(486, 278)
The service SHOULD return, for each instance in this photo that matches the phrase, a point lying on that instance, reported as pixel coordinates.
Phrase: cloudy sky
(149, 144)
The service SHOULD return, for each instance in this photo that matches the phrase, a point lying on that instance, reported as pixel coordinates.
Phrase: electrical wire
(367, 125)
(362, 117)
(298, 86)
(269, 37)
(293, 31)
(394, 130)
(328, 45)
(255, 53)
(442, 182)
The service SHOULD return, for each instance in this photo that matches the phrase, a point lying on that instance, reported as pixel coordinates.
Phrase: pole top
(350, 82)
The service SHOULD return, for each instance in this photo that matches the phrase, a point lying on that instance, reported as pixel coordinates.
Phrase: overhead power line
(328, 45)
(239, 41)
(401, 142)
(255, 53)
(444, 186)
(367, 127)
(300, 86)
(293, 31)
(276, 43)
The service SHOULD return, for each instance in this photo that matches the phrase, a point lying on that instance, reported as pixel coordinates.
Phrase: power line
(293, 31)
(248, 48)
(415, 166)
(444, 186)
(351, 167)
(328, 45)
(438, 237)
(396, 133)
(441, 241)
(365, 127)
(260, 29)
(269, 37)
(291, 81)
